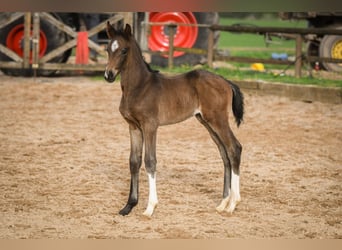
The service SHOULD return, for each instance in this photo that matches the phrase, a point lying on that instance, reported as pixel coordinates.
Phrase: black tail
(238, 105)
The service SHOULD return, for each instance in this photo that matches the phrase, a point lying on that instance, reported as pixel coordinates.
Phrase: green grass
(237, 40)
(268, 76)
(256, 45)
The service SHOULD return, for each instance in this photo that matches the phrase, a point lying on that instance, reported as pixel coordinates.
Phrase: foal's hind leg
(230, 150)
(227, 167)
(234, 152)
(233, 149)
(134, 165)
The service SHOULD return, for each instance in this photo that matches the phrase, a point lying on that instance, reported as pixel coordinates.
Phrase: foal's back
(185, 95)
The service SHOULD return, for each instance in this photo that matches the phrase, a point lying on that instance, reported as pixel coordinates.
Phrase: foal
(150, 99)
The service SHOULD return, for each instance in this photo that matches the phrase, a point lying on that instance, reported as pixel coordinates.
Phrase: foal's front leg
(150, 136)
(134, 165)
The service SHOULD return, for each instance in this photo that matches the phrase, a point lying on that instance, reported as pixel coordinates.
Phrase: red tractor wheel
(50, 37)
(185, 36)
(15, 42)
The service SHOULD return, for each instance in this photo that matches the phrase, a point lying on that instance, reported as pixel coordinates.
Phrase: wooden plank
(322, 59)
(172, 31)
(197, 51)
(98, 48)
(35, 41)
(11, 18)
(251, 60)
(68, 66)
(103, 25)
(274, 61)
(127, 17)
(298, 62)
(58, 51)
(11, 54)
(60, 25)
(11, 65)
(264, 30)
(27, 31)
(210, 48)
(187, 50)
(177, 24)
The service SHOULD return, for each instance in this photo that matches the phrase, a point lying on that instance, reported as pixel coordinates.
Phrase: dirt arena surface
(64, 168)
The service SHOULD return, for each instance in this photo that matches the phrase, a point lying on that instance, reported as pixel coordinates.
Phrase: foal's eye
(124, 51)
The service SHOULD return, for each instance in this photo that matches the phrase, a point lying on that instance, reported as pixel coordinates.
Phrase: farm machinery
(58, 29)
(43, 43)
(325, 46)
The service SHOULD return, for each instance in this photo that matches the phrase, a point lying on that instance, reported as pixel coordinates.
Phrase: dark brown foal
(150, 99)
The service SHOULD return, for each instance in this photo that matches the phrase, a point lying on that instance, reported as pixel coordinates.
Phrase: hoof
(232, 205)
(149, 210)
(126, 210)
(220, 209)
(223, 205)
(123, 212)
(147, 214)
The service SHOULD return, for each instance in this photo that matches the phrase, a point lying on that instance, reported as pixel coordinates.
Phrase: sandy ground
(64, 168)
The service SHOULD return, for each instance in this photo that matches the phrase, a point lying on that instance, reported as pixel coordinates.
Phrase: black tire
(331, 46)
(54, 37)
(201, 42)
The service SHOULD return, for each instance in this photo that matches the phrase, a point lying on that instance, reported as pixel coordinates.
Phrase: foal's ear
(128, 30)
(110, 30)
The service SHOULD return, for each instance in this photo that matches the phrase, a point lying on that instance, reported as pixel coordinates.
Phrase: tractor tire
(11, 36)
(331, 46)
(186, 36)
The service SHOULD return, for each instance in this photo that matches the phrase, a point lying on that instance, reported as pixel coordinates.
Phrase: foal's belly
(176, 113)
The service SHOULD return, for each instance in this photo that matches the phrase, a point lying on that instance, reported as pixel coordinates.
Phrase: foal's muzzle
(110, 76)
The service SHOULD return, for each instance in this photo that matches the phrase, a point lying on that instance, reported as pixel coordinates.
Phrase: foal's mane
(138, 54)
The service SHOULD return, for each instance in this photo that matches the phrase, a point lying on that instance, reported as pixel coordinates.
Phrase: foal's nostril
(109, 76)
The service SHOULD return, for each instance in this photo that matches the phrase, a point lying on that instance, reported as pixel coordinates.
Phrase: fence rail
(32, 22)
(298, 33)
(294, 33)
(31, 41)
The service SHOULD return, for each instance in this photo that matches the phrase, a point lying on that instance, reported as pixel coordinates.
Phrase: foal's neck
(136, 71)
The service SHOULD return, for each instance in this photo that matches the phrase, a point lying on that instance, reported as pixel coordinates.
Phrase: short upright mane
(150, 69)
(139, 56)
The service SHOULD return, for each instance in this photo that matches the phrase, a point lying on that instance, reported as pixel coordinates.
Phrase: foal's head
(117, 49)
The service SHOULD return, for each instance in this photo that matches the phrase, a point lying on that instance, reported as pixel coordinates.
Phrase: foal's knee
(150, 164)
(134, 163)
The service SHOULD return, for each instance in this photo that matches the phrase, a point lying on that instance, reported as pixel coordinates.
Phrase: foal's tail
(238, 105)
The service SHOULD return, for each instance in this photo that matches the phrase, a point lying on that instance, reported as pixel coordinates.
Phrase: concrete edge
(306, 93)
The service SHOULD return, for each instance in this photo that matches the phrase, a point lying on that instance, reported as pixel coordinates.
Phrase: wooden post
(27, 38)
(298, 62)
(172, 29)
(35, 42)
(211, 48)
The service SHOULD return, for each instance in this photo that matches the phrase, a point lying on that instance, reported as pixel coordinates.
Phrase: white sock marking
(236, 185)
(152, 197)
(234, 196)
(235, 193)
